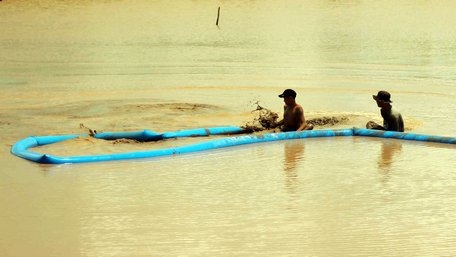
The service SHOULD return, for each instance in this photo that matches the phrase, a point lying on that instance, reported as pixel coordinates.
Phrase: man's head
(288, 93)
(383, 99)
(382, 96)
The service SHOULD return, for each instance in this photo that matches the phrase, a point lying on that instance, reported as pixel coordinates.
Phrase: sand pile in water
(266, 119)
(327, 121)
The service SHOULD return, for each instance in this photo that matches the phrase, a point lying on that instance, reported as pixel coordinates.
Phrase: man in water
(392, 119)
(293, 116)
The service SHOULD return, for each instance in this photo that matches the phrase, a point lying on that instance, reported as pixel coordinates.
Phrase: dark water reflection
(293, 156)
(390, 149)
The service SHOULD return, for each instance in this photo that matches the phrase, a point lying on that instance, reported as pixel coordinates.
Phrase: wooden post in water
(218, 15)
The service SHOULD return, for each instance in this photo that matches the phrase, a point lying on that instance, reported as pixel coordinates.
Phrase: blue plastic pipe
(404, 136)
(21, 147)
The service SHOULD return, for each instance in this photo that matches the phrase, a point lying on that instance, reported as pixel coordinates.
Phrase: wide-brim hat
(382, 96)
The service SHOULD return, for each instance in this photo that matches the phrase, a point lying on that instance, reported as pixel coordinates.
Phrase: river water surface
(162, 66)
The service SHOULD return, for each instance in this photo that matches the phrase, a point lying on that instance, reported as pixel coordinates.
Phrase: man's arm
(300, 118)
(401, 124)
(278, 124)
(281, 122)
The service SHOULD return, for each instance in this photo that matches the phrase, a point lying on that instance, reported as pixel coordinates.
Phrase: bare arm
(400, 126)
(300, 117)
(282, 121)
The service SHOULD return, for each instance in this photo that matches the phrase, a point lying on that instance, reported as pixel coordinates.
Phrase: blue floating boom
(402, 135)
(147, 135)
(21, 147)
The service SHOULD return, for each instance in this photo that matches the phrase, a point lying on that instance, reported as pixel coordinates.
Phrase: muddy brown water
(134, 65)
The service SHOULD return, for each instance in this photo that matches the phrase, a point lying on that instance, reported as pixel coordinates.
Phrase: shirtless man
(293, 116)
(392, 119)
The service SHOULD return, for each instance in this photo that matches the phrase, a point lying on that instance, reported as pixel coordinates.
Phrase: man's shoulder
(297, 106)
(396, 113)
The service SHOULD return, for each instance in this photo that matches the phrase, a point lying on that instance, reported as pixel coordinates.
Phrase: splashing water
(266, 119)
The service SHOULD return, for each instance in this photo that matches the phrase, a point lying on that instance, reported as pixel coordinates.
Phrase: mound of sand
(266, 119)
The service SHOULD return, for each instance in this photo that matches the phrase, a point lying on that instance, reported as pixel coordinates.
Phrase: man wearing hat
(293, 114)
(392, 119)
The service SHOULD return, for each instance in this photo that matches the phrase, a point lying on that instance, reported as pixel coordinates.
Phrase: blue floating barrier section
(147, 135)
(21, 147)
(403, 136)
(142, 136)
